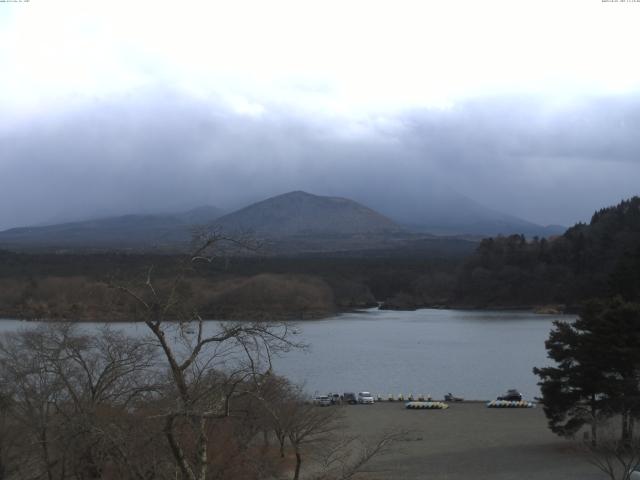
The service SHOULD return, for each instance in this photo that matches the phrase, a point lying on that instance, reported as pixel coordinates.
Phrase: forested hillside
(68, 286)
(598, 259)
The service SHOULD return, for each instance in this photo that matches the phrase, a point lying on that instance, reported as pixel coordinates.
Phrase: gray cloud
(544, 162)
(159, 151)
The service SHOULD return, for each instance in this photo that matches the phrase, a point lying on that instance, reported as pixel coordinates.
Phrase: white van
(365, 398)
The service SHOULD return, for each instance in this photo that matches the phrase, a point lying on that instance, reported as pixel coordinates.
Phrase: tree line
(601, 259)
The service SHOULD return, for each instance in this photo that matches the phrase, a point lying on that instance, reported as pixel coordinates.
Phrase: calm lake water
(474, 354)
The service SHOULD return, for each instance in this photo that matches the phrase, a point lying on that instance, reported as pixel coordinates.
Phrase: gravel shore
(469, 441)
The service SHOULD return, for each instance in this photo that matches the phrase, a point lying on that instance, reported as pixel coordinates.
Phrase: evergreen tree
(597, 372)
(625, 279)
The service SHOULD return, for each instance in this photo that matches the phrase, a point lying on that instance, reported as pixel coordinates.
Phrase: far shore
(539, 310)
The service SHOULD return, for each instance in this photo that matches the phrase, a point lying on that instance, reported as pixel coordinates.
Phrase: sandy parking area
(470, 441)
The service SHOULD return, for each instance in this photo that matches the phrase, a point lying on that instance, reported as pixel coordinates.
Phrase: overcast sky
(528, 107)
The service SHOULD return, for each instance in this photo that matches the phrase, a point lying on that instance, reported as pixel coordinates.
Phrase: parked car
(512, 395)
(322, 400)
(450, 397)
(635, 474)
(335, 398)
(350, 398)
(365, 398)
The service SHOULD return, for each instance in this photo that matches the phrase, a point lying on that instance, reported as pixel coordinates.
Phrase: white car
(322, 400)
(365, 398)
(635, 473)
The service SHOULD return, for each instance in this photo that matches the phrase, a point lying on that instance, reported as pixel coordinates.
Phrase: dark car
(350, 398)
(512, 395)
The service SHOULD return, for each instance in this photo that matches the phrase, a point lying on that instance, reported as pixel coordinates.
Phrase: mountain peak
(297, 193)
(300, 213)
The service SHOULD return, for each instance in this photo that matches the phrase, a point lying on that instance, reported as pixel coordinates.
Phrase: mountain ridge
(129, 231)
(444, 211)
(297, 221)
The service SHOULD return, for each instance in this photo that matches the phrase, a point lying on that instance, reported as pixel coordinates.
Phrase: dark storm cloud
(551, 163)
(547, 161)
(600, 128)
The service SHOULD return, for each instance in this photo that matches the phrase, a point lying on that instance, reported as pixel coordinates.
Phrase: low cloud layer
(548, 162)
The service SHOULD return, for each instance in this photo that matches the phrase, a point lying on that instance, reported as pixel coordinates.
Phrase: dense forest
(594, 260)
(82, 286)
(598, 259)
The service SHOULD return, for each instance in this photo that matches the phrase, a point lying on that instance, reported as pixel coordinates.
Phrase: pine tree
(597, 372)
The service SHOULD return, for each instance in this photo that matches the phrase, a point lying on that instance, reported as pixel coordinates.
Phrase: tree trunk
(625, 426)
(202, 448)
(88, 466)
(594, 423)
(45, 452)
(296, 475)
(176, 450)
(281, 441)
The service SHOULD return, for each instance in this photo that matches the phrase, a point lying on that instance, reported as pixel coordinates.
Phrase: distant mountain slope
(122, 232)
(202, 215)
(303, 214)
(442, 211)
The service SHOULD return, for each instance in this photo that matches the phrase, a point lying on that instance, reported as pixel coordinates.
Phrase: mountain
(203, 215)
(290, 223)
(460, 215)
(481, 221)
(121, 232)
(301, 214)
(440, 210)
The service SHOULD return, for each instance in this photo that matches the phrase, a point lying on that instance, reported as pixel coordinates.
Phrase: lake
(474, 354)
(471, 353)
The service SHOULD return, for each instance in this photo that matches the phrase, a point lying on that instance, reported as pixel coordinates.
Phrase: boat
(510, 404)
(426, 405)
(450, 397)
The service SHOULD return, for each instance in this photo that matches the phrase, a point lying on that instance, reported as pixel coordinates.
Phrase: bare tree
(208, 365)
(10, 436)
(278, 397)
(309, 425)
(35, 390)
(613, 456)
(72, 392)
(351, 456)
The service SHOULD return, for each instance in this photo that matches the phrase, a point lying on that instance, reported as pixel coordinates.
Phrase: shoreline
(292, 319)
